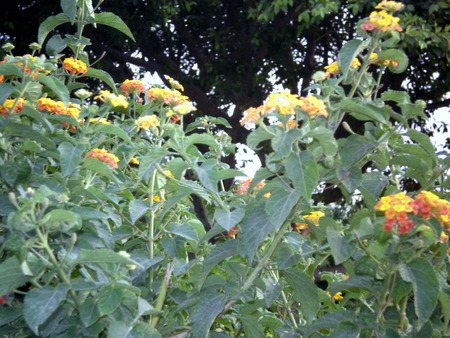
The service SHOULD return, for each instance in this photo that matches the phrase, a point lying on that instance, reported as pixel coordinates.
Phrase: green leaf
(395, 55)
(89, 313)
(112, 20)
(49, 24)
(204, 139)
(9, 69)
(374, 182)
(303, 171)
(9, 172)
(103, 256)
(396, 96)
(103, 76)
(69, 8)
(282, 143)
(350, 178)
(227, 219)
(229, 173)
(11, 276)
(260, 175)
(137, 209)
(113, 130)
(184, 230)
(424, 141)
(98, 166)
(354, 282)
(354, 149)
(257, 136)
(56, 86)
(203, 314)
(346, 329)
(118, 329)
(365, 111)
(22, 130)
(9, 314)
(341, 249)
(252, 328)
(109, 299)
(69, 157)
(285, 257)
(279, 205)
(208, 174)
(348, 52)
(148, 163)
(88, 213)
(5, 89)
(34, 91)
(425, 286)
(55, 45)
(256, 226)
(64, 220)
(305, 292)
(326, 138)
(39, 304)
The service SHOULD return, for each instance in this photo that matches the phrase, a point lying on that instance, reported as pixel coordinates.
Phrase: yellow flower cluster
(313, 217)
(381, 21)
(373, 59)
(113, 99)
(175, 84)
(391, 6)
(146, 122)
(313, 106)
(9, 103)
(333, 68)
(104, 156)
(100, 120)
(283, 102)
(132, 86)
(134, 161)
(59, 108)
(336, 297)
(74, 66)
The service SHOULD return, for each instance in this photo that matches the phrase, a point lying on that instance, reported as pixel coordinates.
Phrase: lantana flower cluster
(285, 104)
(104, 156)
(58, 108)
(74, 66)
(313, 217)
(180, 103)
(382, 20)
(146, 122)
(396, 208)
(333, 68)
(373, 59)
(245, 185)
(113, 99)
(9, 103)
(132, 87)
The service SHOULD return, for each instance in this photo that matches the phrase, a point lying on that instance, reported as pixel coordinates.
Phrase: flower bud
(73, 238)
(320, 76)
(8, 46)
(34, 46)
(45, 202)
(29, 193)
(83, 94)
(13, 200)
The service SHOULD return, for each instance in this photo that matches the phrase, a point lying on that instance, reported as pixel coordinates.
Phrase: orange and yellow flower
(313, 217)
(313, 106)
(168, 96)
(337, 296)
(132, 86)
(9, 103)
(381, 21)
(113, 99)
(391, 6)
(146, 122)
(99, 120)
(245, 184)
(333, 68)
(74, 66)
(104, 156)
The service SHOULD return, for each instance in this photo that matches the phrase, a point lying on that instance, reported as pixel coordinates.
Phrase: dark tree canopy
(228, 53)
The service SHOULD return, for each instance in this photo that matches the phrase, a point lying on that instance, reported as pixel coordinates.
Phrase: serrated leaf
(208, 174)
(353, 149)
(39, 304)
(9, 69)
(348, 52)
(256, 226)
(103, 256)
(5, 90)
(137, 209)
(228, 219)
(350, 178)
(256, 137)
(69, 8)
(184, 230)
(364, 111)
(103, 76)
(204, 139)
(303, 171)
(69, 157)
(11, 276)
(23, 130)
(109, 299)
(63, 220)
(148, 163)
(55, 45)
(49, 24)
(326, 138)
(209, 306)
(341, 248)
(420, 273)
(279, 205)
(56, 86)
(113, 130)
(282, 142)
(112, 20)
(89, 313)
(346, 329)
(305, 292)
(252, 328)
(98, 166)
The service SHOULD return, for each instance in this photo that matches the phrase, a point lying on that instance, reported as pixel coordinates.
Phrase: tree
(230, 54)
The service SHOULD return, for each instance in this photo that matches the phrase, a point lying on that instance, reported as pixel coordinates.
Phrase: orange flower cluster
(104, 156)
(58, 108)
(245, 184)
(132, 86)
(396, 208)
(382, 20)
(9, 103)
(283, 102)
(168, 96)
(429, 205)
(252, 115)
(313, 106)
(74, 66)
(232, 233)
(375, 61)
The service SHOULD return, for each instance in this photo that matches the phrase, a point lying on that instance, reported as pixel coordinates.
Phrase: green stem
(162, 295)
(285, 301)
(364, 248)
